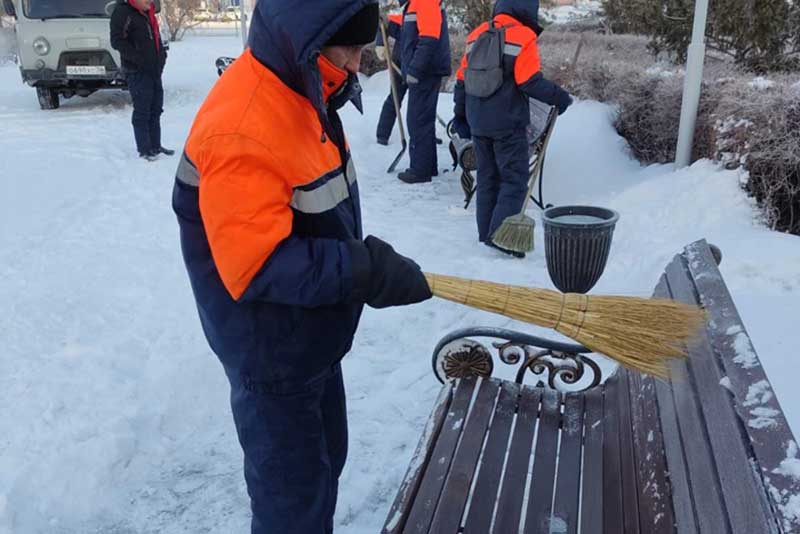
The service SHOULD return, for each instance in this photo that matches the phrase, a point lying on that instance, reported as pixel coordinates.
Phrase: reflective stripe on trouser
(421, 120)
(295, 446)
(502, 180)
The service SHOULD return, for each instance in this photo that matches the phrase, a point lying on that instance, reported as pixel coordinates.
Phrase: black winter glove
(461, 127)
(393, 279)
(564, 101)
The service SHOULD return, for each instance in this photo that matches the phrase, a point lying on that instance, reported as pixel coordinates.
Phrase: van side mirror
(8, 7)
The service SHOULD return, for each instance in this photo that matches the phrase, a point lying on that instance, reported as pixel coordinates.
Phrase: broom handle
(391, 66)
(539, 160)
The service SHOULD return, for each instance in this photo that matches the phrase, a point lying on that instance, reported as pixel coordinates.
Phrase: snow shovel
(391, 67)
(516, 231)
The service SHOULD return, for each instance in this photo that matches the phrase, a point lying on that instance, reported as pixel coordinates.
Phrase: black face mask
(349, 92)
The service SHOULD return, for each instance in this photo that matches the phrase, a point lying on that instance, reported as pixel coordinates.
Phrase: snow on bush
(743, 122)
(752, 123)
(761, 83)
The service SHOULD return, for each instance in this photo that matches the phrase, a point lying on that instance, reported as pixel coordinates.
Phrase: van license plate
(82, 70)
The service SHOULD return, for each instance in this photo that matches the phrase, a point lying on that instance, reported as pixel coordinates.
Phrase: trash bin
(577, 242)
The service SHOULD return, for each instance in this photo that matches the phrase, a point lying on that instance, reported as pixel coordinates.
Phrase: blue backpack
(484, 73)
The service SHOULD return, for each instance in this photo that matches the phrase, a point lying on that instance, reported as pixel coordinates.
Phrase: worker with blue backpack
(499, 73)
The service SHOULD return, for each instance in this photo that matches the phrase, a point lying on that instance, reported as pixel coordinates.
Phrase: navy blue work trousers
(147, 94)
(421, 120)
(295, 445)
(503, 175)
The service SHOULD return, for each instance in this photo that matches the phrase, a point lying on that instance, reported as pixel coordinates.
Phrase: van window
(56, 9)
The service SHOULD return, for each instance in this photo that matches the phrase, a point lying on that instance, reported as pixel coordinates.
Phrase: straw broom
(515, 233)
(639, 333)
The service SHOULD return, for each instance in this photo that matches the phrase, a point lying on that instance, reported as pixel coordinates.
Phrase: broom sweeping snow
(515, 233)
(639, 333)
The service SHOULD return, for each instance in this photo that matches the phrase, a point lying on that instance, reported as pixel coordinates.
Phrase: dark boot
(382, 141)
(408, 176)
(166, 151)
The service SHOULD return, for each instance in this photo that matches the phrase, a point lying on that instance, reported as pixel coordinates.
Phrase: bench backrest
(723, 435)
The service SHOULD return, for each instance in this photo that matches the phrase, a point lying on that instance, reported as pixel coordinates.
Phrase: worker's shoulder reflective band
(327, 196)
(469, 46)
(412, 17)
(187, 172)
(512, 49)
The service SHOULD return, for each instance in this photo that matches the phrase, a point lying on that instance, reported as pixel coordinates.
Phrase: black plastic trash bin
(577, 240)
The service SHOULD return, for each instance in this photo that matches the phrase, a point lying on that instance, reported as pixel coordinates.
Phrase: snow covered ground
(581, 9)
(115, 415)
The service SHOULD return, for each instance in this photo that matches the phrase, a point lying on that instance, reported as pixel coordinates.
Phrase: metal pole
(243, 17)
(691, 86)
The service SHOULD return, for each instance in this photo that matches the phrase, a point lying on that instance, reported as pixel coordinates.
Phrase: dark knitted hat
(359, 30)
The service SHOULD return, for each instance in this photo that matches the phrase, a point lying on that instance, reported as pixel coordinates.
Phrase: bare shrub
(760, 36)
(467, 15)
(741, 123)
(458, 44)
(370, 64)
(179, 16)
(759, 129)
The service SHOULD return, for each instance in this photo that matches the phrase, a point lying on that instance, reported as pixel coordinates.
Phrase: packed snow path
(115, 414)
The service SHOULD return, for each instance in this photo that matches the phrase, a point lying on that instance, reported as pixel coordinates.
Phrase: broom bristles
(515, 233)
(639, 333)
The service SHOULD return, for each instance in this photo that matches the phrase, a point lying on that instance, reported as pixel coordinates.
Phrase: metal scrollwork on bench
(560, 364)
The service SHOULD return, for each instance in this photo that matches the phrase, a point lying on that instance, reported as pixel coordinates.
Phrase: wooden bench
(705, 452)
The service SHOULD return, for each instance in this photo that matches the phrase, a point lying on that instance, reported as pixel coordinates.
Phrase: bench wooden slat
(655, 507)
(630, 489)
(747, 380)
(702, 453)
(540, 498)
(479, 516)
(612, 472)
(685, 518)
(430, 489)
(743, 494)
(592, 486)
(447, 518)
(704, 483)
(398, 513)
(568, 482)
(509, 507)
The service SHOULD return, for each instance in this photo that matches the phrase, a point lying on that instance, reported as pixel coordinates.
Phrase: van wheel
(48, 98)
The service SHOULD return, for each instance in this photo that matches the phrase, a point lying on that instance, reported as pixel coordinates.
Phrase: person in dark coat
(135, 34)
(267, 203)
(388, 113)
(497, 123)
(425, 61)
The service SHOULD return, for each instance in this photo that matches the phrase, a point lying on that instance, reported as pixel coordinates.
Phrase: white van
(64, 47)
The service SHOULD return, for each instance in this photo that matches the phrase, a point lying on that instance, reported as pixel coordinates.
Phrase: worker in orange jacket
(425, 58)
(267, 202)
(497, 122)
